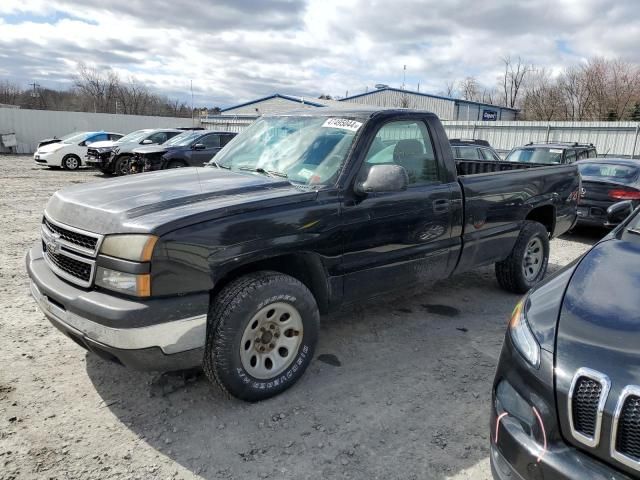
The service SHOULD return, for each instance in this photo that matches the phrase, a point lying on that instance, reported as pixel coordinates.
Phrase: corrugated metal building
(446, 108)
(276, 103)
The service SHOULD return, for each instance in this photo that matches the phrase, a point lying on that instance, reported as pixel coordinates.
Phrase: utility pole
(404, 76)
(193, 119)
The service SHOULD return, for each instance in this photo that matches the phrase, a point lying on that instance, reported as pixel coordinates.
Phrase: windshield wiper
(216, 164)
(271, 173)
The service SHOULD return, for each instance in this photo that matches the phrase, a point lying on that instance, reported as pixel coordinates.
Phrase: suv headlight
(137, 248)
(522, 336)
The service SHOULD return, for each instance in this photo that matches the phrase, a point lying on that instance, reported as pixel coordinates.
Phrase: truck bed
(474, 167)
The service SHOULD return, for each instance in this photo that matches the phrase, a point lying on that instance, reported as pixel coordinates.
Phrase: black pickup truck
(229, 266)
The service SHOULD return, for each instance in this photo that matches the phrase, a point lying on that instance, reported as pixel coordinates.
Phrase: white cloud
(235, 50)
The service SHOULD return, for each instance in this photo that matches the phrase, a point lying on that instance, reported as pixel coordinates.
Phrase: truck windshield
(308, 150)
(535, 155)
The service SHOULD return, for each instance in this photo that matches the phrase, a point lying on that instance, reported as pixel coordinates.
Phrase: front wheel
(121, 167)
(528, 261)
(71, 162)
(262, 330)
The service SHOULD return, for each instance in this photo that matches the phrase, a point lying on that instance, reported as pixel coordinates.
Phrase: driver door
(398, 239)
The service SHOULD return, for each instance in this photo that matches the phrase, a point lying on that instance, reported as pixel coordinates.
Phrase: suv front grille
(628, 438)
(75, 238)
(71, 266)
(586, 397)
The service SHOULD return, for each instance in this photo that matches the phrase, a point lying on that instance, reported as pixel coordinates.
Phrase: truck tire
(527, 263)
(262, 330)
(121, 166)
(71, 162)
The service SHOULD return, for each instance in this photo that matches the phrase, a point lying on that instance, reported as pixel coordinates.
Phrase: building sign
(489, 115)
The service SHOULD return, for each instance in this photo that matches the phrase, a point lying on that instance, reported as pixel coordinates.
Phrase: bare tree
(542, 97)
(469, 89)
(9, 92)
(511, 82)
(450, 89)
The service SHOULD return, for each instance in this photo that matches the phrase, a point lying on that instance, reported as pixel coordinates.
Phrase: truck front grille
(71, 266)
(75, 238)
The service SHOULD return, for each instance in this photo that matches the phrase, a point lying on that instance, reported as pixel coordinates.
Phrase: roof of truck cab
(367, 111)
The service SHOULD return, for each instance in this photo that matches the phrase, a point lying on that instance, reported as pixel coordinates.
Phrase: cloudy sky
(236, 50)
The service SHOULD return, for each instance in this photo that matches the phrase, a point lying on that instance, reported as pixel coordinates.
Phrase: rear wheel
(121, 166)
(71, 162)
(528, 261)
(262, 330)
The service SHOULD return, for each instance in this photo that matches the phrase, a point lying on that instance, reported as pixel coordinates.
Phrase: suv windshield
(535, 155)
(620, 173)
(307, 150)
(133, 136)
(182, 140)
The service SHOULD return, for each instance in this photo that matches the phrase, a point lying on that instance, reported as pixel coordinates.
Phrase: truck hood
(599, 327)
(162, 201)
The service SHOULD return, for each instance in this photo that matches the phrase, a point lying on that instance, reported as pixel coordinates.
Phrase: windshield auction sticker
(342, 123)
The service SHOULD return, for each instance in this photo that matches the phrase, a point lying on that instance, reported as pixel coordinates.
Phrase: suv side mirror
(381, 179)
(199, 146)
(146, 141)
(617, 212)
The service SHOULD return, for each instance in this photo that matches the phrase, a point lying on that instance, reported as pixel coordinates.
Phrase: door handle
(441, 205)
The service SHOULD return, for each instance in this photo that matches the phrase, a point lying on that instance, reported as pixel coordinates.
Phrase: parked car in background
(566, 394)
(466, 149)
(552, 153)
(69, 152)
(229, 266)
(604, 182)
(189, 149)
(117, 162)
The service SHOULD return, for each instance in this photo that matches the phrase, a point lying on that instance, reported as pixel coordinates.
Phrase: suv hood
(151, 149)
(163, 201)
(599, 328)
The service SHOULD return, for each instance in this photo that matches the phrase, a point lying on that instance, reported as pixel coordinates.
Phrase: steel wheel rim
(124, 168)
(532, 261)
(72, 163)
(271, 340)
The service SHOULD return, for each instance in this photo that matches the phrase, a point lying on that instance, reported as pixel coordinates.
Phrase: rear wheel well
(545, 215)
(305, 267)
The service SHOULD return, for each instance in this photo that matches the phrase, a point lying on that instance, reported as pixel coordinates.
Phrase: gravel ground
(400, 387)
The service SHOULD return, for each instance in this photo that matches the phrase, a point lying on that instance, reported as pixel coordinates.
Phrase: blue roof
(276, 95)
(459, 100)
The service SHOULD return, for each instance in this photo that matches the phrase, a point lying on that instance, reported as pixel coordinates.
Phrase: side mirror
(381, 179)
(146, 141)
(617, 212)
(199, 146)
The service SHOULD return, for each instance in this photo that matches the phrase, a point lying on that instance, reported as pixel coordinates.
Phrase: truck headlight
(128, 283)
(138, 248)
(522, 336)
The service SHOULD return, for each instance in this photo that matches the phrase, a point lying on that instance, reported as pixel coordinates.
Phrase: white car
(70, 150)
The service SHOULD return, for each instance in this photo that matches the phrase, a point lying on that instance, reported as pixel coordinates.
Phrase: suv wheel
(262, 330)
(121, 166)
(527, 263)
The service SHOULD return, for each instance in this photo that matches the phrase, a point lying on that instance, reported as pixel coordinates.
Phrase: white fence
(609, 138)
(31, 126)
